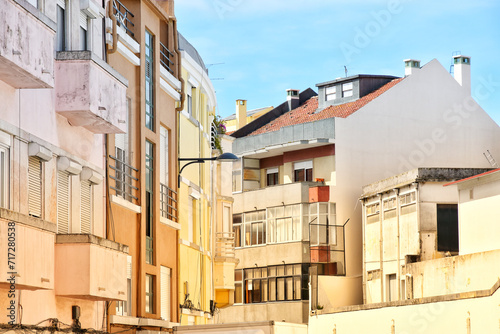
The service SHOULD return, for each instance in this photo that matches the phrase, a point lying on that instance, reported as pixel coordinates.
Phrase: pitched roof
(249, 113)
(473, 177)
(307, 111)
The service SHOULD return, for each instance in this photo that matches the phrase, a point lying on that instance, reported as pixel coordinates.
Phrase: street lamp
(224, 157)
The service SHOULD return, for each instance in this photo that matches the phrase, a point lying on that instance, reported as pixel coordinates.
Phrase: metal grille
(123, 176)
(166, 58)
(35, 187)
(86, 207)
(168, 203)
(63, 202)
(123, 17)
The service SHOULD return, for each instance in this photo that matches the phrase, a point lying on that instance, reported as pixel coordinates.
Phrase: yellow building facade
(199, 185)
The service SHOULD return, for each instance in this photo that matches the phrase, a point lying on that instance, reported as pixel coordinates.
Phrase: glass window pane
(288, 211)
(264, 272)
(264, 290)
(257, 273)
(289, 269)
(272, 289)
(238, 293)
(237, 219)
(256, 298)
(297, 269)
(289, 288)
(255, 230)
(279, 212)
(238, 275)
(280, 288)
(280, 270)
(237, 235)
(272, 271)
(248, 291)
(248, 273)
(297, 288)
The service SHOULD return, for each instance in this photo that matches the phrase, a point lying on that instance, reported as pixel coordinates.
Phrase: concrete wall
(266, 255)
(332, 291)
(474, 314)
(291, 311)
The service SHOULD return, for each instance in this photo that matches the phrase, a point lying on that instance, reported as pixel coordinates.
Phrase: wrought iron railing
(166, 58)
(123, 17)
(124, 177)
(224, 245)
(168, 203)
(214, 134)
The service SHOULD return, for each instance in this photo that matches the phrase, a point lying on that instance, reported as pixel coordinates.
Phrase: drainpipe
(398, 257)
(363, 222)
(179, 67)
(115, 29)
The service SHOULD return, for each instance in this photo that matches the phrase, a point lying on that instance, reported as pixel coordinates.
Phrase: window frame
(347, 89)
(307, 168)
(149, 52)
(149, 185)
(272, 177)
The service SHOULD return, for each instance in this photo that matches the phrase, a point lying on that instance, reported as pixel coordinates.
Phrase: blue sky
(269, 46)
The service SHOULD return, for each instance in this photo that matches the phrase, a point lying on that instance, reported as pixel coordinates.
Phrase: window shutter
(35, 187)
(86, 207)
(165, 293)
(63, 202)
(83, 20)
(164, 156)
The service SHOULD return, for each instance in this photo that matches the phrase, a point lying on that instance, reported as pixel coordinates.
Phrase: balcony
(224, 264)
(89, 93)
(26, 47)
(168, 203)
(33, 260)
(89, 267)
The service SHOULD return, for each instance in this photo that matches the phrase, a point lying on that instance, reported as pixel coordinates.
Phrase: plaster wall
(266, 255)
(332, 291)
(292, 311)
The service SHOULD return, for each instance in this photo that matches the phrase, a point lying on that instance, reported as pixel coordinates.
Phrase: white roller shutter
(35, 187)
(165, 293)
(63, 203)
(86, 207)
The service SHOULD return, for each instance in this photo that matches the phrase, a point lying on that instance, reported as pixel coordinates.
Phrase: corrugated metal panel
(165, 293)
(86, 206)
(63, 202)
(83, 20)
(35, 187)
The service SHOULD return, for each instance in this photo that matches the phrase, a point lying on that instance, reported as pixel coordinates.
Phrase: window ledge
(170, 223)
(126, 204)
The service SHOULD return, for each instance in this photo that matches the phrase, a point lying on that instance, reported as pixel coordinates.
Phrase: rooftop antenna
(213, 64)
(452, 66)
(345, 69)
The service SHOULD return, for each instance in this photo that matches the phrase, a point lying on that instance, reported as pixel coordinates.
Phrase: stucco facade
(142, 205)
(60, 100)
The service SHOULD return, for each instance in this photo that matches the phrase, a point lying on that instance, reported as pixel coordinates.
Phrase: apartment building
(141, 163)
(355, 131)
(243, 116)
(60, 99)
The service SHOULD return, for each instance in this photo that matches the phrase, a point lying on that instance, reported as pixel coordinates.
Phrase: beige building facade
(60, 101)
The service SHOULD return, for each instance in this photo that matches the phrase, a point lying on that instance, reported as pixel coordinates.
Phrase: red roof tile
(305, 113)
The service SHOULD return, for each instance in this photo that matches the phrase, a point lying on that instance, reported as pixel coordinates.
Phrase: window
(168, 209)
(165, 293)
(237, 175)
(285, 282)
(237, 229)
(35, 187)
(63, 202)
(322, 222)
(272, 176)
(303, 171)
(123, 181)
(83, 31)
(150, 293)
(330, 93)
(392, 288)
(284, 223)
(255, 228)
(373, 212)
(238, 284)
(189, 97)
(408, 202)
(447, 228)
(149, 69)
(390, 208)
(4, 177)
(256, 285)
(149, 201)
(61, 25)
(86, 206)
(125, 307)
(33, 3)
(347, 89)
(191, 208)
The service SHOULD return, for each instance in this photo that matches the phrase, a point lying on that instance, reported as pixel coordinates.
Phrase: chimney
(461, 67)
(411, 66)
(241, 113)
(292, 97)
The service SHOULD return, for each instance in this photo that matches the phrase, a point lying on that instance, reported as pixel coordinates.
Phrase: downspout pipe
(115, 29)
(179, 67)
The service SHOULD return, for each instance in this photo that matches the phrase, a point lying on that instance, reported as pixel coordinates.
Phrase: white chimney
(411, 66)
(292, 96)
(461, 67)
(241, 113)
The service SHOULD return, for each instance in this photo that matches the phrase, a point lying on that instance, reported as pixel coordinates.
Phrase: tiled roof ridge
(307, 111)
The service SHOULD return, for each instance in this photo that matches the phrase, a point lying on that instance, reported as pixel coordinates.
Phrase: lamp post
(224, 157)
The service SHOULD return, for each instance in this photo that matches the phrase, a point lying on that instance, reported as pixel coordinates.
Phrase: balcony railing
(224, 245)
(168, 203)
(123, 17)
(124, 176)
(166, 58)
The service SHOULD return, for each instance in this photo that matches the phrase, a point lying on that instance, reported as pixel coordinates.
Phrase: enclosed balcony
(27, 248)
(26, 46)
(89, 93)
(89, 267)
(224, 264)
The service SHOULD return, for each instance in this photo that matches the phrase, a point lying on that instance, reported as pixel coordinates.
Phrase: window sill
(124, 203)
